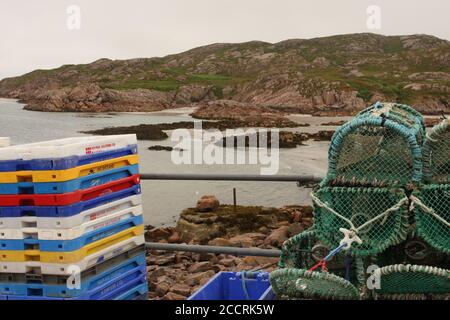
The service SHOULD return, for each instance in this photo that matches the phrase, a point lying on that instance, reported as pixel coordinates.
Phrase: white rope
(418, 202)
(352, 226)
(385, 213)
(428, 136)
(324, 205)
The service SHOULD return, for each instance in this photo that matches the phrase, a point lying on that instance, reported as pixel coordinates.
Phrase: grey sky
(34, 33)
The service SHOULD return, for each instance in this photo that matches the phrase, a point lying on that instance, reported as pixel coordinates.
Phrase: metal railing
(257, 252)
(231, 177)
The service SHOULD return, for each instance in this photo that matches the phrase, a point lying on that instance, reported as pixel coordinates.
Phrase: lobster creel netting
(379, 216)
(436, 154)
(380, 147)
(408, 279)
(398, 112)
(414, 250)
(297, 252)
(432, 213)
(304, 250)
(303, 284)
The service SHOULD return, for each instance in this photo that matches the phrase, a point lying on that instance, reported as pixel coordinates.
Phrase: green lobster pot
(303, 284)
(432, 201)
(381, 146)
(379, 217)
(436, 154)
(432, 213)
(411, 280)
(305, 249)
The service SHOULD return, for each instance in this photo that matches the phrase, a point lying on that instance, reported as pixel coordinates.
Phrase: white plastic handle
(349, 237)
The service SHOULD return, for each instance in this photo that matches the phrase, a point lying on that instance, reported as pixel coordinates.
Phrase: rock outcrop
(176, 276)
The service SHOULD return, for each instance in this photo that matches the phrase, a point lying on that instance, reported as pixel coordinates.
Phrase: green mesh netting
(432, 213)
(381, 146)
(436, 154)
(413, 279)
(398, 112)
(358, 206)
(413, 296)
(305, 249)
(297, 252)
(303, 284)
(413, 250)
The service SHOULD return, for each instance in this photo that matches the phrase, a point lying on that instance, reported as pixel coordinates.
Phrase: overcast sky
(35, 35)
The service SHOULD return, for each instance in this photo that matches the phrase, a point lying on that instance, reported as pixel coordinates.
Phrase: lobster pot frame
(436, 154)
(300, 284)
(414, 250)
(380, 146)
(305, 249)
(432, 213)
(298, 251)
(379, 216)
(399, 280)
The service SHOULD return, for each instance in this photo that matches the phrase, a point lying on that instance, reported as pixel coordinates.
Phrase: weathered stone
(162, 288)
(199, 232)
(164, 260)
(194, 279)
(181, 289)
(283, 223)
(207, 203)
(228, 262)
(173, 296)
(157, 234)
(221, 242)
(259, 261)
(277, 237)
(247, 239)
(174, 237)
(203, 281)
(200, 267)
(264, 230)
(294, 229)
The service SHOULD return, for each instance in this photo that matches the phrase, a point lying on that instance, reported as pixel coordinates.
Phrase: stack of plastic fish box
(71, 223)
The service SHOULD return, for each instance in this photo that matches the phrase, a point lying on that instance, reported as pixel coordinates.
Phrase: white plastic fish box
(65, 153)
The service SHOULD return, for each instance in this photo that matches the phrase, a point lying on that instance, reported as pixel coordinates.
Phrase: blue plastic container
(70, 210)
(89, 284)
(69, 186)
(64, 163)
(139, 292)
(230, 286)
(113, 289)
(71, 245)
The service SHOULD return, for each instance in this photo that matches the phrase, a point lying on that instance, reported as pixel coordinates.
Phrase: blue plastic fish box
(230, 286)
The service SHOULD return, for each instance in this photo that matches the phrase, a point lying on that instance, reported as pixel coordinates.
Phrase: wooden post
(234, 200)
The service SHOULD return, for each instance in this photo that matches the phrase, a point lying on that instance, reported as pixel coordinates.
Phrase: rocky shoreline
(156, 131)
(177, 275)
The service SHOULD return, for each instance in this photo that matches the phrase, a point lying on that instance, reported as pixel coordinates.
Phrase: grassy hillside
(406, 69)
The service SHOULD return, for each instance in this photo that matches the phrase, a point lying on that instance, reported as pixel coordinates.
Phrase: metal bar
(231, 177)
(256, 252)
